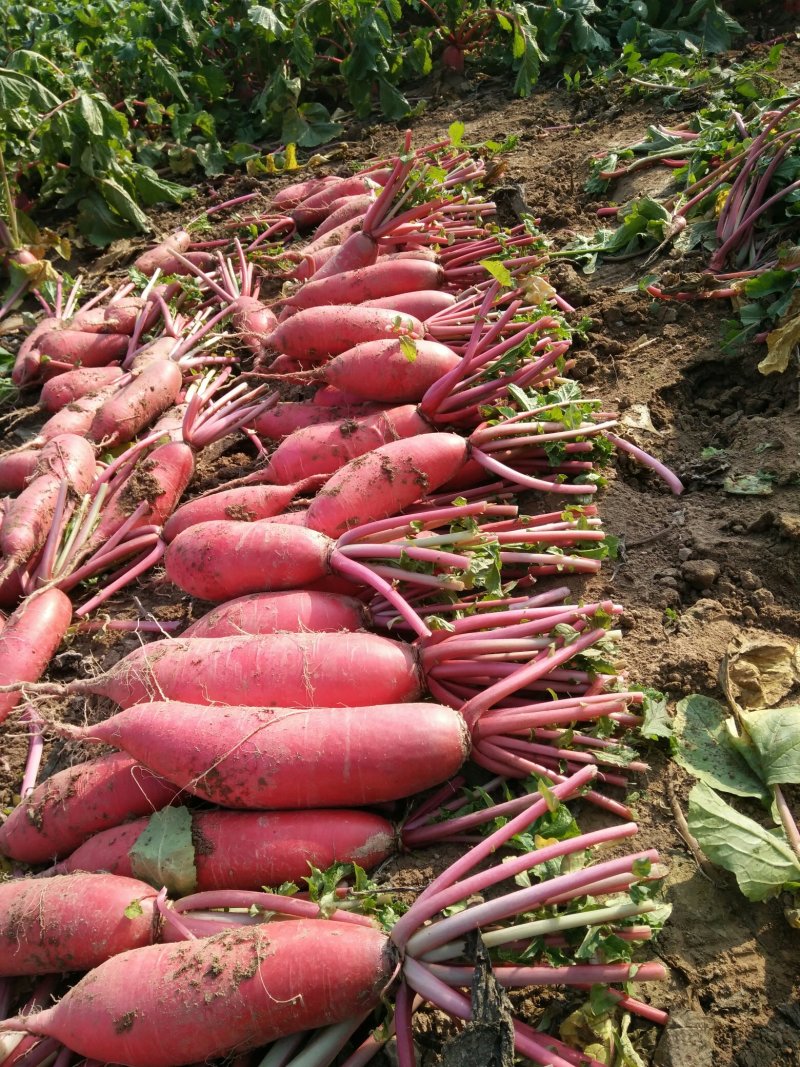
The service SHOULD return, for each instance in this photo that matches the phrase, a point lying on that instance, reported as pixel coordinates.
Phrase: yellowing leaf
(781, 342)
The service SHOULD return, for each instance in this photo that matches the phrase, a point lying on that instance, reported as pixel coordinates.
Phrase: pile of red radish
(386, 618)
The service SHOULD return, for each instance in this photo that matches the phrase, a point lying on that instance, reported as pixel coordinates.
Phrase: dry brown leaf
(758, 672)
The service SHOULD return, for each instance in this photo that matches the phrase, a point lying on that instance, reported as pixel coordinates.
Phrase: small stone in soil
(700, 573)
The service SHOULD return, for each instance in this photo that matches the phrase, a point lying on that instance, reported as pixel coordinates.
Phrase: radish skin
(422, 305)
(278, 758)
(71, 805)
(289, 416)
(161, 256)
(29, 517)
(385, 481)
(30, 639)
(314, 334)
(17, 468)
(285, 670)
(294, 611)
(385, 372)
(72, 385)
(325, 448)
(71, 922)
(80, 349)
(175, 1004)
(342, 210)
(138, 404)
(243, 849)
(248, 503)
(385, 278)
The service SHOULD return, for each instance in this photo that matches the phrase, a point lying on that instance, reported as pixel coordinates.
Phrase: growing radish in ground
(248, 986)
(71, 805)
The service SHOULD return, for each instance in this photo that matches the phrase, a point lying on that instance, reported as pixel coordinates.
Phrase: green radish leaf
(775, 735)
(702, 745)
(657, 723)
(761, 860)
(455, 131)
(499, 272)
(133, 910)
(266, 19)
(164, 854)
(409, 349)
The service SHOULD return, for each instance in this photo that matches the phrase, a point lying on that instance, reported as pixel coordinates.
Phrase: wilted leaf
(638, 418)
(758, 672)
(748, 485)
(761, 860)
(163, 853)
(703, 746)
(781, 342)
(775, 736)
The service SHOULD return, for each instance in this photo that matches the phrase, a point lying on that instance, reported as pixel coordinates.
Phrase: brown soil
(693, 571)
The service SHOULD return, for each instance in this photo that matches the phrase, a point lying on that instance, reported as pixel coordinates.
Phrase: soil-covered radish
(71, 805)
(72, 385)
(383, 279)
(28, 518)
(71, 922)
(385, 481)
(175, 1004)
(246, 503)
(197, 851)
(30, 638)
(62, 349)
(137, 405)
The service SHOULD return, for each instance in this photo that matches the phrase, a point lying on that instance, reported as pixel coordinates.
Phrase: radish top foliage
(102, 103)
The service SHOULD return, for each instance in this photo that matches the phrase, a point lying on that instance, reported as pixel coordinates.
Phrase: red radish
(316, 207)
(30, 639)
(71, 386)
(293, 194)
(254, 322)
(285, 418)
(272, 757)
(138, 404)
(288, 670)
(120, 316)
(329, 396)
(160, 479)
(325, 448)
(76, 348)
(386, 278)
(29, 517)
(210, 850)
(173, 1004)
(292, 611)
(386, 481)
(453, 58)
(70, 806)
(386, 371)
(422, 305)
(161, 256)
(316, 333)
(268, 556)
(16, 468)
(28, 361)
(77, 417)
(153, 352)
(71, 922)
(244, 504)
(343, 210)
